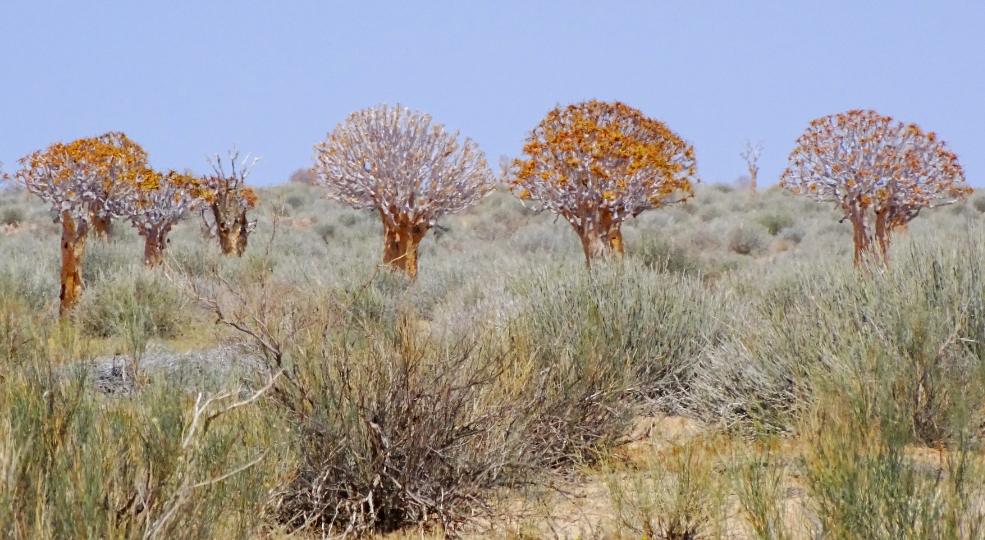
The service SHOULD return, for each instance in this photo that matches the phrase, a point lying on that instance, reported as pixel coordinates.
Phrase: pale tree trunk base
(232, 233)
(244, 234)
(228, 241)
(860, 237)
(601, 239)
(400, 243)
(102, 227)
(883, 228)
(154, 244)
(73, 251)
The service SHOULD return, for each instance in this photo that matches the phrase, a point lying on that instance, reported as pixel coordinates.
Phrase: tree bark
(102, 226)
(232, 233)
(601, 237)
(155, 241)
(401, 238)
(860, 235)
(882, 233)
(73, 251)
(244, 234)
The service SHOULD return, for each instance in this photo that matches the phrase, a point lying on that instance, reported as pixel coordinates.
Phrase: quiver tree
(410, 170)
(598, 164)
(228, 201)
(83, 181)
(881, 173)
(751, 154)
(154, 211)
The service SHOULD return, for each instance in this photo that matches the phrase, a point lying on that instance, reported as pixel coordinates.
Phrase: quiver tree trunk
(232, 231)
(401, 238)
(102, 226)
(883, 228)
(860, 234)
(244, 233)
(601, 237)
(73, 251)
(155, 242)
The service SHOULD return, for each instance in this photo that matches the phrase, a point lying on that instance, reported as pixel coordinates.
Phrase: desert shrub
(757, 480)
(654, 324)
(28, 282)
(107, 258)
(863, 484)
(677, 496)
(295, 201)
(709, 212)
(746, 240)
(11, 215)
(76, 465)
(136, 298)
(979, 203)
(660, 254)
(325, 231)
(915, 329)
(348, 219)
(195, 260)
(793, 234)
(775, 222)
(396, 425)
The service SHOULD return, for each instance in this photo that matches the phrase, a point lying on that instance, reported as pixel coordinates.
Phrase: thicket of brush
(381, 403)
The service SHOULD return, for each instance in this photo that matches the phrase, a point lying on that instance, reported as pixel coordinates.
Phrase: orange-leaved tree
(228, 200)
(155, 210)
(84, 181)
(407, 168)
(880, 172)
(597, 164)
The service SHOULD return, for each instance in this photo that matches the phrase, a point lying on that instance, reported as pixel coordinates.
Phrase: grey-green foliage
(134, 299)
(917, 325)
(76, 465)
(655, 324)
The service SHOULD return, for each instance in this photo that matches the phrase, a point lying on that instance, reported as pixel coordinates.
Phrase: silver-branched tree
(410, 170)
(876, 170)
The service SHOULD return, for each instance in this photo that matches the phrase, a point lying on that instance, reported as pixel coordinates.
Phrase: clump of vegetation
(12, 216)
(775, 222)
(678, 496)
(398, 426)
(135, 300)
(745, 239)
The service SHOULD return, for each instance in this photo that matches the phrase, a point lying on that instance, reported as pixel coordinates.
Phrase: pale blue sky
(186, 78)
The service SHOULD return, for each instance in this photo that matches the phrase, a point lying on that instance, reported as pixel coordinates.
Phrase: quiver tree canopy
(153, 212)
(875, 169)
(84, 181)
(597, 164)
(410, 170)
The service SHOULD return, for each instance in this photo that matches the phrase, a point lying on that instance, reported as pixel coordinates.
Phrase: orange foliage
(598, 164)
(88, 176)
